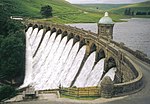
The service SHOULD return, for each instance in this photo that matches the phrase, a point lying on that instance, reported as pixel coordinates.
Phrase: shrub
(6, 92)
(46, 11)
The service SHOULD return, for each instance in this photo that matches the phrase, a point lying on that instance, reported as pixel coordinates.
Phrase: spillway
(46, 64)
(69, 62)
(96, 74)
(37, 41)
(33, 36)
(88, 66)
(111, 73)
(62, 62)
(70, 74)
(28, 61)
(40, 63)
(53, 61)
(54, 70)
(42, 47)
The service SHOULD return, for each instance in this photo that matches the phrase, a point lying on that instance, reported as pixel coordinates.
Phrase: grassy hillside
(144, 6)
(63, 12)
(100, 7)
(32, 7)
(116, 8)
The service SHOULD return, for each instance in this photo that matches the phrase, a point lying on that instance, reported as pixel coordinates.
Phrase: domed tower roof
(106, 19)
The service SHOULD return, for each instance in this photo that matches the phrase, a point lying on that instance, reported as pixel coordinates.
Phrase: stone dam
(64, 56)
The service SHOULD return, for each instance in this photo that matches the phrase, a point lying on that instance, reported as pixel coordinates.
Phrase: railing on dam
(119, 89)
(81, 92)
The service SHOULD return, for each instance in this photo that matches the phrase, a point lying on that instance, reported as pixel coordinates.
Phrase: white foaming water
(46, 68)
(33, 35)
(71, 73)
(29, 32)
(45, 53)
(58, 63)
(62, 62)
(28, 63)
(36, 43)
(41, 62)
(96, 74)
(42, 47)
(70, 60)
(111, 73)
(85, 71)
(40, 51)
(53, 64)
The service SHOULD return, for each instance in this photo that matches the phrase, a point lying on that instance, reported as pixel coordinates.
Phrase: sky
(104, 1)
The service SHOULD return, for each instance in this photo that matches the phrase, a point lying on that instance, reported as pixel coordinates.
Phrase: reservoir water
(135, 33)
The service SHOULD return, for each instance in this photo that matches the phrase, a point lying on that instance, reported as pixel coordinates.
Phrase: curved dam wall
(54, 60)
(64, 56)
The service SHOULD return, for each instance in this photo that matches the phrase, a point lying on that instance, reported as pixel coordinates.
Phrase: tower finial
(106, 14)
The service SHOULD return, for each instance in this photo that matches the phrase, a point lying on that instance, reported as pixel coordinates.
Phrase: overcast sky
(104, 1)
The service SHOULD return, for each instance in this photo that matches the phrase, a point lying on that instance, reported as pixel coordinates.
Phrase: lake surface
(135, 33)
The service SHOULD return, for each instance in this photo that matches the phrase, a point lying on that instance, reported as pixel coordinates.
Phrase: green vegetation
(63, 12)
(6, 92)
(12, 49)
(46, 11)
(31, 8)
(118, 10)
(144, 7)
(100, 7)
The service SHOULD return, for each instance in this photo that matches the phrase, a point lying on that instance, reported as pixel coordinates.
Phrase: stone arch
(111, 62)
(70, 36)
(65, 33)
(53, 30)
(27, 26)
(59, 31)
(35, 26)
(30, 25)
(41, 27)
(99, 55)
(76, 39)
(48, 28)
(82, 42)
(93, 48)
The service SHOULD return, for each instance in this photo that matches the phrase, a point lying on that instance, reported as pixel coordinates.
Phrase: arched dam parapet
(129, 76)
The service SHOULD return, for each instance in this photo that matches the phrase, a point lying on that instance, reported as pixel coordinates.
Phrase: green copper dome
(106, 19)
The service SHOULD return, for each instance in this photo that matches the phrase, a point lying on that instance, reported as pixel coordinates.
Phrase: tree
(46, 11)
(6, 92)
(128, 12)
(3, 18)
(12, 53)
(141, 13)
(132, 13)
(125, 12)
(12, 48)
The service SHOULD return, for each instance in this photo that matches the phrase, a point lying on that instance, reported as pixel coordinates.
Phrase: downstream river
(135, 33)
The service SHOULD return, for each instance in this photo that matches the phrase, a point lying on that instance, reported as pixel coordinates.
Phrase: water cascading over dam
(53, 60)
